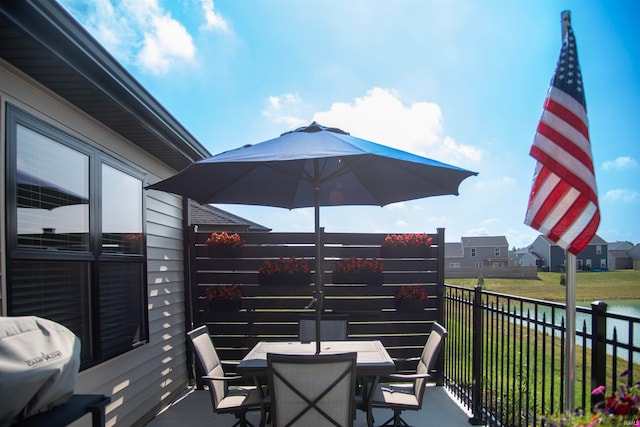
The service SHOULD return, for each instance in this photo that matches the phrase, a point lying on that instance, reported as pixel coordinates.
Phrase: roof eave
(121, 102)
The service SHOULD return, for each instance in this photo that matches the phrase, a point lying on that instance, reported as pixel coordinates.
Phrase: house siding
(142, 380)
(554, 257)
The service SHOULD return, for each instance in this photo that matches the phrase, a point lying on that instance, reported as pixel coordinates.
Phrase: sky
(461, 81)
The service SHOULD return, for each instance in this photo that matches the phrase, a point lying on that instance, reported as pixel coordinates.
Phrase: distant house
(634, 254)
(618, 256)
(478, 252)
(525, 258)
(594, 256)
(486, 256)
(453, 255)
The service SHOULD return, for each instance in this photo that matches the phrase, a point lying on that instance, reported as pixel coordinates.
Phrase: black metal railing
(505, 354)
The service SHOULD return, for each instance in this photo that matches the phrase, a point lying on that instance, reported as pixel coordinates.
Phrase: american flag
(563, 204)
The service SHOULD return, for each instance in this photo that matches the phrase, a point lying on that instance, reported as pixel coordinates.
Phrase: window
(478, 264)
(454, 265)
(75, 238)
(496, 252)
(598, 250)
(473, 251)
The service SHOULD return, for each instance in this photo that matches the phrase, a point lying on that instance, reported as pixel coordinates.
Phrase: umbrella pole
(319, 269)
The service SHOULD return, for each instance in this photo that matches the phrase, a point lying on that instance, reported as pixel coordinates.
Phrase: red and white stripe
(563, 204)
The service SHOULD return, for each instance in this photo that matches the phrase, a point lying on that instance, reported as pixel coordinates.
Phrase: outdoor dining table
(372, 360)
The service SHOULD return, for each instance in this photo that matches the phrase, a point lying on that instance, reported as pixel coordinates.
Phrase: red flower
(224, 293)
(225, 239)
(358, 265)
(412, 292)
(404, 240)
(284, 266)
(622, 408)
(132, 237)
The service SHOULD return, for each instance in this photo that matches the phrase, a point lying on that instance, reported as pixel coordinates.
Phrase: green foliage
(563, 279)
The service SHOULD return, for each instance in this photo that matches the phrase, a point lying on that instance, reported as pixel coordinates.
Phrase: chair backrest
(332, 328)
(432, 350)
(209, 362)
(312, 390)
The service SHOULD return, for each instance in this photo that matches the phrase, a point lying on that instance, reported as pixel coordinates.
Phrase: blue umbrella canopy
(314, 166)
(286, 172)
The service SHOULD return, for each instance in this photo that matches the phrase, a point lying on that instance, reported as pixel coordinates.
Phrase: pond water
(629, 307)
(624, 307)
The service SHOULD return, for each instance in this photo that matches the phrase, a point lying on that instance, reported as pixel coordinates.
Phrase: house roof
(597, 240)
(212, 217)
(484, 241)
(619, 246)
(43, 41)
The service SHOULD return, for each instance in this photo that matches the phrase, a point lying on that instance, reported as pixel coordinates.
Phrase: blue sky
(462, 82)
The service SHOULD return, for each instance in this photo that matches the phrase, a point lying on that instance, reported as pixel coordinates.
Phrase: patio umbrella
(314, 166)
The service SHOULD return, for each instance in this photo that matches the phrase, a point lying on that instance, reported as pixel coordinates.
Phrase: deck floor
(193, 409)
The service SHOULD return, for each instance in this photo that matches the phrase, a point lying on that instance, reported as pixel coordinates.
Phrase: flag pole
(570, 344)
(570, 303)
(560, 188)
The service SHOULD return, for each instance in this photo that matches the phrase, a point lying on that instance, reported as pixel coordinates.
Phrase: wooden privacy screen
(271, 312)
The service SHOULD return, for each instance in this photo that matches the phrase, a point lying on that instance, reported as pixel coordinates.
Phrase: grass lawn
(601, 286)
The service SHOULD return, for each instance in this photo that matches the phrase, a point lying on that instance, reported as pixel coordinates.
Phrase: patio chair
(237, 400)
(395, 396)
(333, 327)
(312, 390)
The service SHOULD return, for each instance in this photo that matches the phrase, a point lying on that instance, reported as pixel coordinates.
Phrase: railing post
(440, 296)
(440, 276)
(477, 356)
(598, 347)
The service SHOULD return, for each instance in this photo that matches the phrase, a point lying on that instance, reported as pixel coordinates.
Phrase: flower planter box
(369, 278)
(225, 305)
(224, 251)
(410, 305)
(404, 251)
(284, 279)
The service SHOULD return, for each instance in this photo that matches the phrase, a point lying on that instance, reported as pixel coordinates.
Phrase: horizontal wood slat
(271, 312)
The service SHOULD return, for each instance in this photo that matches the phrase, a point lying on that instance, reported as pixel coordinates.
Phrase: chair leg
(396, 420)
(242, 420)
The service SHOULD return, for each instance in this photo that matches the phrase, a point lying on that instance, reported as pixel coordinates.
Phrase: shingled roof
(208, 217)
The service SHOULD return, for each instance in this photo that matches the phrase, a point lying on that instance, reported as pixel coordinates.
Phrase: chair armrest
(230, 362)
(405, 359)
(226, 378)
(407, 377)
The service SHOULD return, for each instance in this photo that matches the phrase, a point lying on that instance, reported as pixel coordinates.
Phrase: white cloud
(166, 43)
(478, 231)
(620, 163)
(287, 109)
(395, 206)
(380, 116)
(137, 31)
(213, 19)
(621, 195)
(401, 223)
